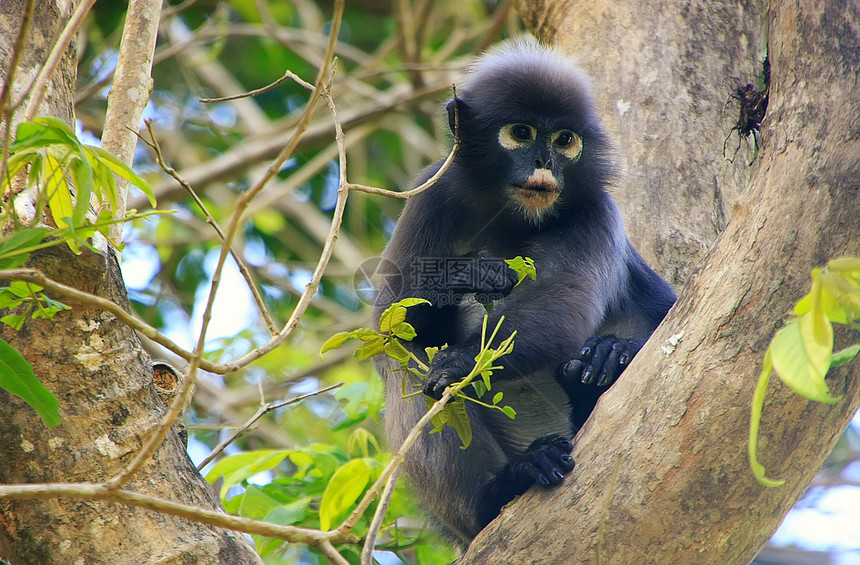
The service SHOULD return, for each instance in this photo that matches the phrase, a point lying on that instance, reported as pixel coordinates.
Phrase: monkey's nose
(543, 163)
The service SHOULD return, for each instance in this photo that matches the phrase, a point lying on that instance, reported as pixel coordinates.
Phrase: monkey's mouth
(539, 192)
(536, 196)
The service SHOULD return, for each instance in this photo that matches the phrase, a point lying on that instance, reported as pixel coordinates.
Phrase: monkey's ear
(458, 111)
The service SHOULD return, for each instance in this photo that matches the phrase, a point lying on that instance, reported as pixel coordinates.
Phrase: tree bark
(103, 380)
(663, 73)
(662, 473)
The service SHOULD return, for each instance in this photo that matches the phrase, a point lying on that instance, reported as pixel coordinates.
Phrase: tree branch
(37, 90)
(261, 411)
(130, 93)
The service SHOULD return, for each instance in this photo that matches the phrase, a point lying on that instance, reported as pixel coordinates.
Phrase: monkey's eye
(521, 132)
(513, 136)
(568, 143)
(563, 138)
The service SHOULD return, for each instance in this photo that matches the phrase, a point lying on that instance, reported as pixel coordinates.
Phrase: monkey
(530, 178)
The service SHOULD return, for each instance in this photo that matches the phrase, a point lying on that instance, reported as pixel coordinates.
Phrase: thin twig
(40, 85)
(396, 460)
(173, 10)
(129, 94)
(6, 111)
(432, 180)
(17, 52)
(102, 491)
(261, 411)
(152, 142)
(378, 516)
(287, 75)
(37, 277)
(331, 553)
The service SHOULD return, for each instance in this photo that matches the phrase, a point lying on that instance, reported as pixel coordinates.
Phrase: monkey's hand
(545, 462)
(449, 366)
(601, 360)
(490, 277)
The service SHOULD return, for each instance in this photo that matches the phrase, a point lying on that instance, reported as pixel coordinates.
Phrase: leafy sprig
(393, 328)
(802, 351)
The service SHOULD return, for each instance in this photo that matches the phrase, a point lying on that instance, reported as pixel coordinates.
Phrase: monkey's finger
(434, 386)
(599, 353)
(560, 455)
(546, 471)
(613, 365)
(572, 369)
(587, 350)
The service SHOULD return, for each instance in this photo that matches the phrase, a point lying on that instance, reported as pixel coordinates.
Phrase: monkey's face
(539, 156)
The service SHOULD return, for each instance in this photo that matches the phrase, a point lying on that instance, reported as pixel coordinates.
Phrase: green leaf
(395, 350)
(396, 313)
(755, 420)
(844, 291)
(404, 330)
(845, 265)
(22, 289)
(431, 353)
(17, 377)
(42, 132)
(14, 320)
(13, 249)
(335, 341)
(343, 490)
(459, 420)
(480, 388)
(58, 191)
(523, 266)
(121, 170)
(340, 338)
(362, 440)
(801, 358)
(290, 513)
(832, 308)
(509, 412)
(16, 164)
(498, 397)
(82, 174)
(257, 504)
(237, 468)
(844, 355)
(370, 349)
(104, 179)
(8, 300)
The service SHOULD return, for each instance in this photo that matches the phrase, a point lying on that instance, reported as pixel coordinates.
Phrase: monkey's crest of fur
(511, 74)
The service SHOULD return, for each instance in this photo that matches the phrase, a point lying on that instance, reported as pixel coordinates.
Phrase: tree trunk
(662, 473)
(103, 380)
(663, 72)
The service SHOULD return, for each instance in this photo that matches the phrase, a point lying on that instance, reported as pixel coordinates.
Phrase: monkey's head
(528, 132)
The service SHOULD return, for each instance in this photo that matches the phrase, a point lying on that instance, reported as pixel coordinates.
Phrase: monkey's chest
(542, 409)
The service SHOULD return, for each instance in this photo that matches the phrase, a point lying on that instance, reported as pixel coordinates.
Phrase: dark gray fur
(590, 281)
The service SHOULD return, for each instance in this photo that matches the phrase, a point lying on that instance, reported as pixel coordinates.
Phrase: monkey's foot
(545, 462)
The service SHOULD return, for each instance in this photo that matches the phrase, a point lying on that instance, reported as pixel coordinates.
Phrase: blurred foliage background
(397, 60)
